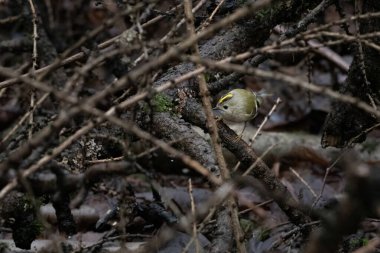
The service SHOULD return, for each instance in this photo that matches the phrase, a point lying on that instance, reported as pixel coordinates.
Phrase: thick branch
(247, 157)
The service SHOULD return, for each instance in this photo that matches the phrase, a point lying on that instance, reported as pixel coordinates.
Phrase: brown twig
(66, 59)
(213, 130)
(303, 181)
(133, 75)
(195, 232)
(289, 80)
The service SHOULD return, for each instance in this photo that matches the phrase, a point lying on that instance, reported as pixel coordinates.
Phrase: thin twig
(175, 28)
(35, 35)
(34, 64)
(303, 181)
(194, 224)
(344, 151)
(209, 19)
(213, 130)
(65, 59)
(251, 140)
(25, 150)
(24, 117)
(293, 81)
(259, 159)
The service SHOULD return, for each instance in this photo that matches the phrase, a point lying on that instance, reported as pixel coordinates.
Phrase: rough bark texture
(223, 233)
(171, 128)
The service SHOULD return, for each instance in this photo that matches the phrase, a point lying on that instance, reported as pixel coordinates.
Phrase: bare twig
(328, 54)
(175, 28)
(65, 59)
(35, 34)
(213, 129)
(34, 63)
(290, 80)
(252, 140)
(121, 83)
(344, 151)
(322, 50)
(258, 160)
(303, 181)
(209, 19)
(194, 225)
(10, 19)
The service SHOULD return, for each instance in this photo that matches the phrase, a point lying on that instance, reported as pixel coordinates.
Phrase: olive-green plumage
(238, 105)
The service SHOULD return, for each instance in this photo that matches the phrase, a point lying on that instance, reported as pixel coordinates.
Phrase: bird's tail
(260, 95)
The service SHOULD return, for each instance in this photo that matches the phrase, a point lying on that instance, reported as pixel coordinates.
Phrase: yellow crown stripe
(225, 97)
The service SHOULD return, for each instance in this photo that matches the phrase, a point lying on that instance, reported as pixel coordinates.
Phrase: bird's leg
(245, 125)
(241, 134)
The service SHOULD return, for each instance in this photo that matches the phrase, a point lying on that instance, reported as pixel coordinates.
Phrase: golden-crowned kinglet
(238, 105)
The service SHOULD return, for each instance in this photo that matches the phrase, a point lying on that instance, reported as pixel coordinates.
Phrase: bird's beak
(217, 112)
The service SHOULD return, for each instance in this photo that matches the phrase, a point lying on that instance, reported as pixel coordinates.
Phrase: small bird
(239, 105)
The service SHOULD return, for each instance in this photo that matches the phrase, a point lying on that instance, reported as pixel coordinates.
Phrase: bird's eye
(225, 107)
